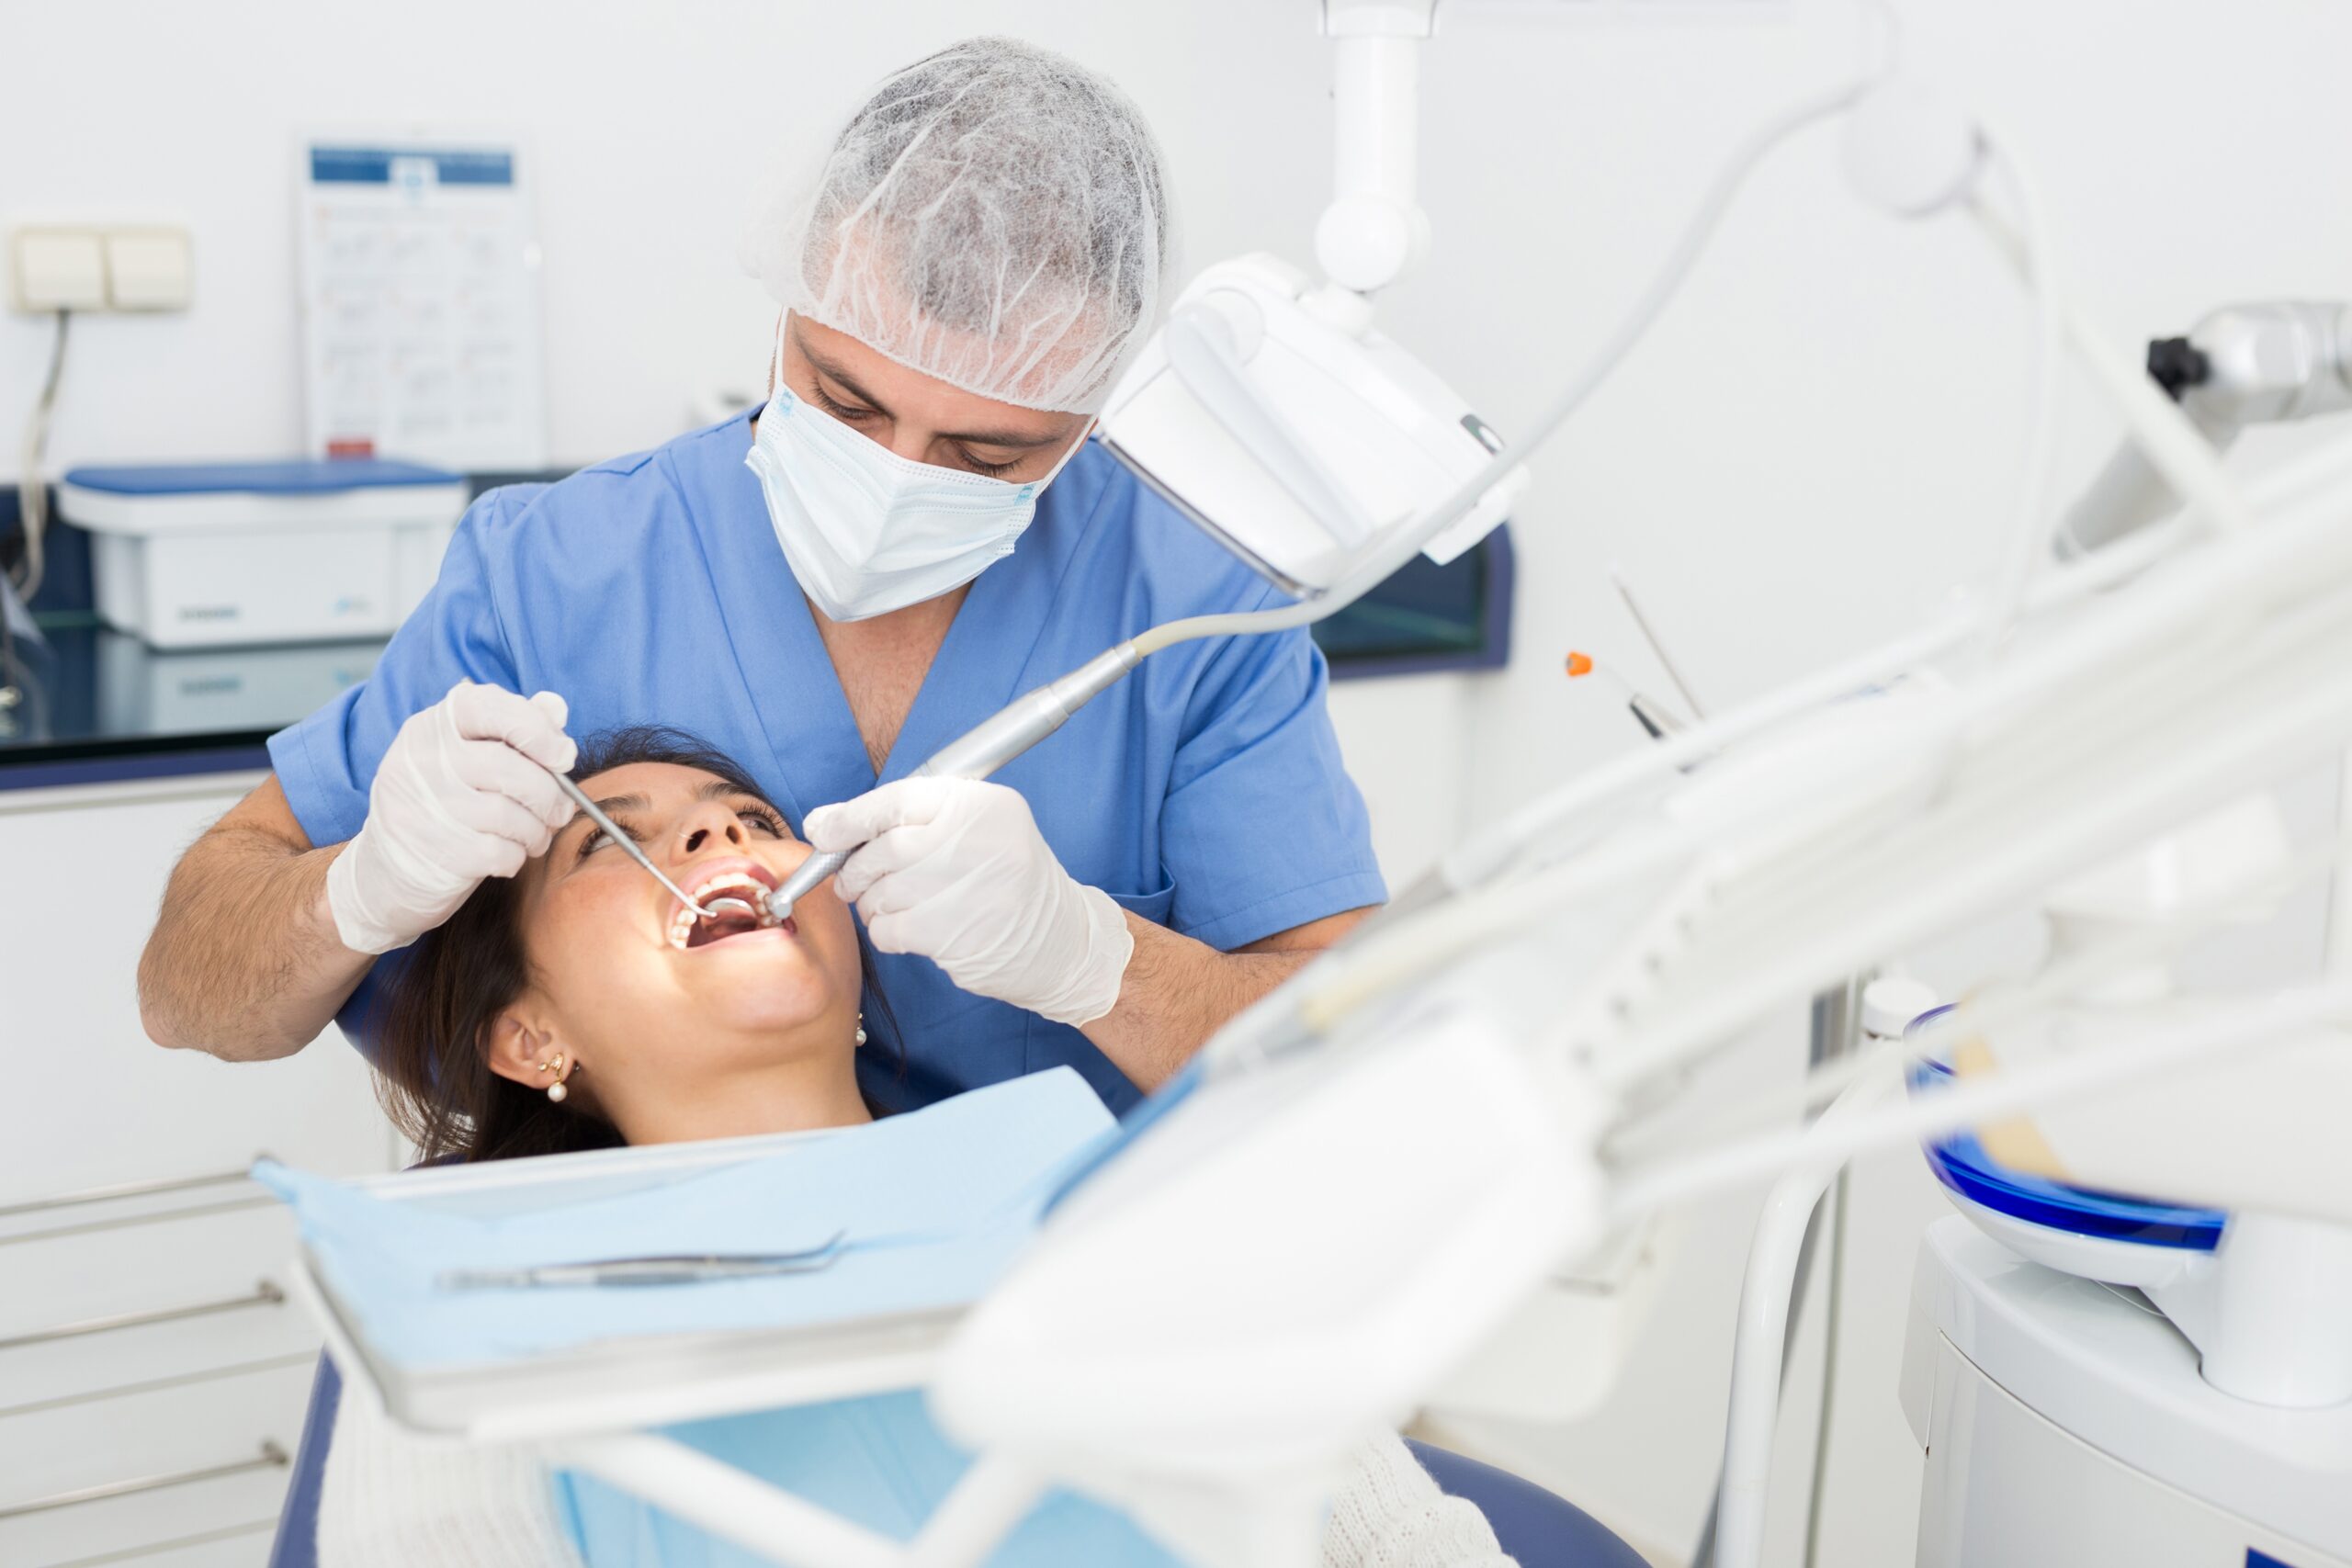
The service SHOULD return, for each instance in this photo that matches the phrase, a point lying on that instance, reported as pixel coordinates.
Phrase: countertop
(98, 705)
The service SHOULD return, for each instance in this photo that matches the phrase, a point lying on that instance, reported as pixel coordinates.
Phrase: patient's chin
(772, 1003)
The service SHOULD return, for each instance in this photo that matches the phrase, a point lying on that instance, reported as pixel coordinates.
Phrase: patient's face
(636, 985)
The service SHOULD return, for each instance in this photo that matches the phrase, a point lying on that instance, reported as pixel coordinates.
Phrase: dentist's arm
(243, 961)
(1176, 992)
(955, 869)
(261, 936)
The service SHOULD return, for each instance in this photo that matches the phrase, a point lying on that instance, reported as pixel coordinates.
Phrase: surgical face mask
(865, 530)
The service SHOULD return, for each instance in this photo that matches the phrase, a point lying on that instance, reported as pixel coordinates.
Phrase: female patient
(577, 1005)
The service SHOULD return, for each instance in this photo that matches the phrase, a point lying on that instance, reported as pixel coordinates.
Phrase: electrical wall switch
(100, 266)
(57, 269)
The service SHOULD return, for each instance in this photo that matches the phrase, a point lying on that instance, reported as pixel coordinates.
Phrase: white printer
(198, 555)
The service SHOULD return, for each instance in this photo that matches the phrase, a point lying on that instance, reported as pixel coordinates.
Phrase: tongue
(730, 917)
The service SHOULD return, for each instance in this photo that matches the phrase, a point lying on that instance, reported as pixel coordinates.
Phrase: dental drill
(985, 747)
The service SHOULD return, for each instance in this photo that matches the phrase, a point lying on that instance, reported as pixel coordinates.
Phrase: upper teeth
(727, 881)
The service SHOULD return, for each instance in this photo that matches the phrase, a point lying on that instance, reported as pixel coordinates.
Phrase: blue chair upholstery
(1538, 1528)
(297, 1545)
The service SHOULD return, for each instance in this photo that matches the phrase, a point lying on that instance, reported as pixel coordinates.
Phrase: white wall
(1819, 442)
(655, 131)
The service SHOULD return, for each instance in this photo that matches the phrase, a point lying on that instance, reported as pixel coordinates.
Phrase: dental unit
(1233, 1285)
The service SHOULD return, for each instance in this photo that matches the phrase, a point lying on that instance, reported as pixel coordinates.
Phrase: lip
(697, 876)
(722, 876)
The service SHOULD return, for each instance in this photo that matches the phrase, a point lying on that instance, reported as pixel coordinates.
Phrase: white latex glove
(955, 869)
(463, 792)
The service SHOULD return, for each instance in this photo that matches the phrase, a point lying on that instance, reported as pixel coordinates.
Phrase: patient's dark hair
(432, 1056)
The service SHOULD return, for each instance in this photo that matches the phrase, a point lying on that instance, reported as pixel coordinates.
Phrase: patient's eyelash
(596, 837)
(765, 817)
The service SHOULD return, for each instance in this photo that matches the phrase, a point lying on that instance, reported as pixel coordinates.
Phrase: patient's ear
(518, 1039)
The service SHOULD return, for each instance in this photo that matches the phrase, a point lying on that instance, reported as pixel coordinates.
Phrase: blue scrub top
(1205, 791)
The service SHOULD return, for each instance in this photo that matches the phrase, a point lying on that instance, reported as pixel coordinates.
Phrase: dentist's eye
(990, 471)
(838, 409)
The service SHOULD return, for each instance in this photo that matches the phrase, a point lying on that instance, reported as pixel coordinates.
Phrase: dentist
(912, 530)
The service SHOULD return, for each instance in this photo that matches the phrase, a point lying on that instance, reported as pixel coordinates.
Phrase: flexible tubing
(2029, 533)
(1667, 281)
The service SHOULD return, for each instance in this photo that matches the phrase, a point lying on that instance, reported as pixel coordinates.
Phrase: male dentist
(911, 531)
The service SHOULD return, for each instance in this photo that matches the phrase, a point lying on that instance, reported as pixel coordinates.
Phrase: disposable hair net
(993, 216)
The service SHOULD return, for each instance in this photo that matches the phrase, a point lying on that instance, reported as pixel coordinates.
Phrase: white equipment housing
(209, 555)
(1272, 415)
(2064, 1422)
(1268, 411)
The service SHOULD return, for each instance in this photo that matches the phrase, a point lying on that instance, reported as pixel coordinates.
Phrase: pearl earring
(556, 1090)
(861, 1029)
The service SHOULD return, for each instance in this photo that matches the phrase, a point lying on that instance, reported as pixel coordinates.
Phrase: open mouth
(738, 902)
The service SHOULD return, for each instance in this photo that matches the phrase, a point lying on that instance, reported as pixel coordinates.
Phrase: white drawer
(89, 1303)
(169, 1464)
(233, 1546)
(91, 1101)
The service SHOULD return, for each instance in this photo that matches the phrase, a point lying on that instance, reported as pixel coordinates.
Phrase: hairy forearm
(244, 963)
(1175, 994)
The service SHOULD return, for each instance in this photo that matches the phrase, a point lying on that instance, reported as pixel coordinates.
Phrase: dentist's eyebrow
(833, 372)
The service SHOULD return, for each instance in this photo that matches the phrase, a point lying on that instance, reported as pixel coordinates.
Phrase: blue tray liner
(936, 1204)
(1961, 1163)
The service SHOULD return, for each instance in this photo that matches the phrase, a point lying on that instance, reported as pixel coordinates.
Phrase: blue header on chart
(373, 165)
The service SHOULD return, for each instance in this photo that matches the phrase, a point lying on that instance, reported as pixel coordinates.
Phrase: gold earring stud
(556, 1090)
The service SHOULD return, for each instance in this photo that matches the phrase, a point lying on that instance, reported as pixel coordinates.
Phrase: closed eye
(596, 837)
(992, 471)
(845, 412)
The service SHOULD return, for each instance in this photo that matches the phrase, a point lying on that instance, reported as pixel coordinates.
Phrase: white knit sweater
(391, 1499)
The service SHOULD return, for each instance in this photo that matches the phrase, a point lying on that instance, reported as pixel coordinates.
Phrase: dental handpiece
(612, 830)
(983, 748)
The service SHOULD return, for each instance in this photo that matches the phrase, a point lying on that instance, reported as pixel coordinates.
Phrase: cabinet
(152, 1374)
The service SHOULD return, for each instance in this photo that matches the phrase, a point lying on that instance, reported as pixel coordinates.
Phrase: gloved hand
(463, 792)
(955, 869)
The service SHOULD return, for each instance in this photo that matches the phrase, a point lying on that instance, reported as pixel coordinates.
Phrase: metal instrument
(985, 747)
(613, 831)
(680, 1269)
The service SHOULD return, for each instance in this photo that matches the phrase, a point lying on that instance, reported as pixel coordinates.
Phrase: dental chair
(1536, 1527)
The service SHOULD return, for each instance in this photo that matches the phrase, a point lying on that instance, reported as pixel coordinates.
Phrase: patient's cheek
(587, 915)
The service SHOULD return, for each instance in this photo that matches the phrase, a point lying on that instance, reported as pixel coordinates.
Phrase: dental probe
(612, 830)
(985, 747)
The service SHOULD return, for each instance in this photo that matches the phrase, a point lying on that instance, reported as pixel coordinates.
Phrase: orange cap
(1580, 664)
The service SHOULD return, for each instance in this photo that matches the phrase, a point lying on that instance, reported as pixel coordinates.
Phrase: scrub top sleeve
(1262, 829)
(326, 761)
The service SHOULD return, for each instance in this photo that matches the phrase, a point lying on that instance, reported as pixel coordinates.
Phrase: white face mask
(865, 530)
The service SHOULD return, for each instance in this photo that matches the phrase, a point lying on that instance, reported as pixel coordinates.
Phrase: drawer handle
(126, 1189)
(266, 1293)
(271, 1457)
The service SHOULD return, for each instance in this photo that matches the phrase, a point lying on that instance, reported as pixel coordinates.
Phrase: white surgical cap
(993, 216)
